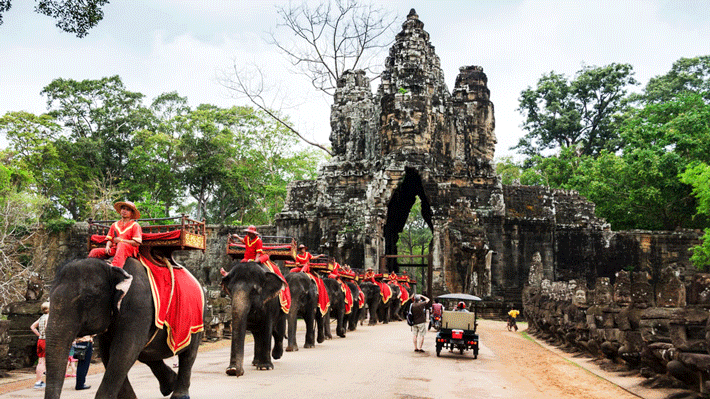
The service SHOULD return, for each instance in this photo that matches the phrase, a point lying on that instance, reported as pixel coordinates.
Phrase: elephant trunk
(240, 313)
(60, 334)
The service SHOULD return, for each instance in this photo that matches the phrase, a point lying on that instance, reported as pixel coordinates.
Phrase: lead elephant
(87, 298)
(304, 304)
(256, 307)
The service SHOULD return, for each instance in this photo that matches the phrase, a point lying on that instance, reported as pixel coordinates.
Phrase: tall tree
(322, 42)
(687, 76)
(73, 16)
(579, 113)
(100, 116)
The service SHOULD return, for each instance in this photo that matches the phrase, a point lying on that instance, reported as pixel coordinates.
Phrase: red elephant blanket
(385, 290)
(285, 293)
(179, 302)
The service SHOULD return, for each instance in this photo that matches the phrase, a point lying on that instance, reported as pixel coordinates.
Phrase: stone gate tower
(413, 138)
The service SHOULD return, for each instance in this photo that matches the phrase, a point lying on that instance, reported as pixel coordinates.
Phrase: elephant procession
(151, 308)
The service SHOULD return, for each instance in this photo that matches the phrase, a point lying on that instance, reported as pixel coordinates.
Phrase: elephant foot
(235, 371)
(265, 366)
(372, 323)
(293, 348)
(277, 352)
(309, 345)
(167, 389)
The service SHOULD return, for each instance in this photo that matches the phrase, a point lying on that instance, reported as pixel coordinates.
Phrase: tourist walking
(83, 351)
(419, 328)
(39, 328)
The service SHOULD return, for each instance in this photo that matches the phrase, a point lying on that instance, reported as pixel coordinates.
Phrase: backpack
(410, 316)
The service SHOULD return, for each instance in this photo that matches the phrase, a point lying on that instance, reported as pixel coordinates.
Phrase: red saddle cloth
(403, 293)
(348, 296)
(179, 302)
(385, 290)
(361, 298)
(285, 293)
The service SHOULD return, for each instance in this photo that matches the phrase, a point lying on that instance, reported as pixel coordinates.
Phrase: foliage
(20, 212)
(698, 177)
(580, 113)
(73, 16)
(687, 76)
(414, 239)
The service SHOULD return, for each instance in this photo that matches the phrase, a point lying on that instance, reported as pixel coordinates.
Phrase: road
(380, 362)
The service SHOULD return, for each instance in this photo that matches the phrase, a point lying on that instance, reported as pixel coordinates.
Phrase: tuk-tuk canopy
(460, 297)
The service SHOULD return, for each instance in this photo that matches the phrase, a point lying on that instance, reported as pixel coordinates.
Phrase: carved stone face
(580, 297)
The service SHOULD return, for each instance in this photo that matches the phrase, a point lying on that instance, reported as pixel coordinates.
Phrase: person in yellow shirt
(512, 315)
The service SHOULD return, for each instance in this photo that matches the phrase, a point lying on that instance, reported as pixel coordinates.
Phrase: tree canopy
(628, 153)
(99, 143)
(72, 16)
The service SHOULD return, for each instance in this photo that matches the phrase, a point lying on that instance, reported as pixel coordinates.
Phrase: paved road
(379, 362)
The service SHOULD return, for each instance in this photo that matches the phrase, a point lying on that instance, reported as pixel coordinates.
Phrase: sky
(159, 46)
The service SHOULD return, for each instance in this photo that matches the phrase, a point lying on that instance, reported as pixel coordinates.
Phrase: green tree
(698, 176)
(73, 16)
(156, 159)
(414, 239)
(580, 113)
(687, 76)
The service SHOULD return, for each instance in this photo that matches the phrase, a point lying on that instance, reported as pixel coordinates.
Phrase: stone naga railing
(658, 327)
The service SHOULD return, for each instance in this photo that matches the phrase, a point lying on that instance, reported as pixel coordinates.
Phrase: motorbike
(435, 321)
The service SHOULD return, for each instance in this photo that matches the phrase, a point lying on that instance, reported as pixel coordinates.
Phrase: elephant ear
(121, 281)
(272, 286)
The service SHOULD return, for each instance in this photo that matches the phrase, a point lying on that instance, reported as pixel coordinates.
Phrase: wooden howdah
(192, 233)
(278, 248)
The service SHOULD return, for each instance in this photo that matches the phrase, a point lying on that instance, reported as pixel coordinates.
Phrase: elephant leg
(319, 326)
(340, 326)
(258, 347)
(263, 356)
(186, 360)
(278, 334)
(326, 325)
(309, 319)
(125, 346)
(292, 319)
(165, 375)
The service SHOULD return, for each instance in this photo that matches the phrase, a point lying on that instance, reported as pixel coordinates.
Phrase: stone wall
(653, 319)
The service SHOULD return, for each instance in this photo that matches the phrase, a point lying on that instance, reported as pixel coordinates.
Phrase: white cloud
(158, 46)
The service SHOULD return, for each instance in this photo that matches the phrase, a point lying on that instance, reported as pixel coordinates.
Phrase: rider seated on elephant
(303, 260)
(123, 238)
(252, 244)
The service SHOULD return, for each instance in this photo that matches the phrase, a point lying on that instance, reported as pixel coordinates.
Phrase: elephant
(86, 298)
(304, 303)
(373, 299)
(395, 304)
(254, 291)
(354, 315)
(336, 309)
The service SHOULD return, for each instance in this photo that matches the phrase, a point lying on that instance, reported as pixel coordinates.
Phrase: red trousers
(120, 253)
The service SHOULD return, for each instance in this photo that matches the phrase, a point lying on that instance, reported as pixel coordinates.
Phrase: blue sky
(159, 46)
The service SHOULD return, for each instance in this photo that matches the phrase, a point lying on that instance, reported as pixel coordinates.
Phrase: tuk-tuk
(458, 327)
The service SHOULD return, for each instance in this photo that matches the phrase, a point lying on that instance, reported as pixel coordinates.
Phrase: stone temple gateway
(415, 138)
